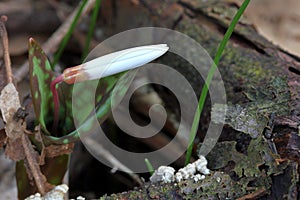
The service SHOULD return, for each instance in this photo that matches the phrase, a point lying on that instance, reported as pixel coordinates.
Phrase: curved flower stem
(57, 80)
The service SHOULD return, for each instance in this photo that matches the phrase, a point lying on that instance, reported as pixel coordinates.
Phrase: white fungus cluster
(166, 174)
(57, 193)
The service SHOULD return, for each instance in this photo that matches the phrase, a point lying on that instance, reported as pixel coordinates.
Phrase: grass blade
(149, 166)
(209, 78)
(91, 29)
(68, 35)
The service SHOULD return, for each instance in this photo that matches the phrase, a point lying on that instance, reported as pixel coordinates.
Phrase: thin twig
(3, 34)
(254, 195)
(53, 42)
(101, 151)
(39, 178)
(30, 154)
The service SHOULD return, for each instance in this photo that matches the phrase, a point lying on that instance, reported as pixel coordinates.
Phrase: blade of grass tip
(68, 35)
(209, 78)
(149, 166)
(91, 30)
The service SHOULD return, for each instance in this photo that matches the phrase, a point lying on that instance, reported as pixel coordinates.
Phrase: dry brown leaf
(9, 101)
(14, 150)
(56, 150)
(32, 166)
(9, 104)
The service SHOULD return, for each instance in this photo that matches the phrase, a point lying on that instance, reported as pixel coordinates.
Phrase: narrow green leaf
(149, 166)
(41, 75)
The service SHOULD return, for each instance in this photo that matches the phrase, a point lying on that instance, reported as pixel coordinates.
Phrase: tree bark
(257, 75)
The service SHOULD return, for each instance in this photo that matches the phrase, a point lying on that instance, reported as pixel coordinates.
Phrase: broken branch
(3, 34)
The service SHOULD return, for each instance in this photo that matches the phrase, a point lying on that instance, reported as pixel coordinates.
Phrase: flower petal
(114, 63)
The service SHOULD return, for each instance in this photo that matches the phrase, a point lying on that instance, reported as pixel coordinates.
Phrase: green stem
(91, 29)
(209, 78)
